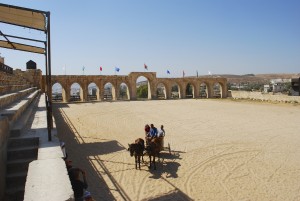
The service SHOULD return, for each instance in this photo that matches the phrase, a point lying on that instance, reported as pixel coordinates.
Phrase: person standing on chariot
(161, 132)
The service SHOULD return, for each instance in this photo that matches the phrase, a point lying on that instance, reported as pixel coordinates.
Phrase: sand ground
(221, 150)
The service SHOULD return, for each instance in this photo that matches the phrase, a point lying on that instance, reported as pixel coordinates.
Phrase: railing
(57, 98)
(107, 96)
(92, 97)
(75, 98)
(6, 68)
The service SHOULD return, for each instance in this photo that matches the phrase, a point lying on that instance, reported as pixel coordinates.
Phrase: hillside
(255, 78)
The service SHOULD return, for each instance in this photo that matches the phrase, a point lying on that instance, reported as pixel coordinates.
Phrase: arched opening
(217, 90)
(109, 92)
(203, 93)
(58, 92)
(143, 89)
(161, 91)
(76, 93)
(93, 92)
(189, 91)
(175, 91)
(124, 92)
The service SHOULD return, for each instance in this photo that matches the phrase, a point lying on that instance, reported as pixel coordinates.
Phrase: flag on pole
(100, 68)
(145, 66)
(117, 69)
(183, 73)
(168, 72)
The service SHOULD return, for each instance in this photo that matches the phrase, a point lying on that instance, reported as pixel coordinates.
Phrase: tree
(142, 91)
(123, 90)
(189, 89)
(174, 88)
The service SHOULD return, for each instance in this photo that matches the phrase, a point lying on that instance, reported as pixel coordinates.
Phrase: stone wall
(4, 134)
(34, 77)
(264, 97)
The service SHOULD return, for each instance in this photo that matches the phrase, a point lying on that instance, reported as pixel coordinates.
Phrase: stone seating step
(22, 152)
(20, 165)
(23, 142)
(9, 98)
(14, 111)
(16, 180)
(20, 124)
(14, 194)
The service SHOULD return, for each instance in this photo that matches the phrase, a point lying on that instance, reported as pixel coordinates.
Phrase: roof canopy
(24, 17)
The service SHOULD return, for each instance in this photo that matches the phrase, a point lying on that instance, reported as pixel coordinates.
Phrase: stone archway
(175, 91)
(161, 91)
(175, 87)
(123, 92)
(58, 93)
(203, 93)
(189, 91)
(143, 88)
(93, 92)
(109, 92)
(76, 92)
(217, 90)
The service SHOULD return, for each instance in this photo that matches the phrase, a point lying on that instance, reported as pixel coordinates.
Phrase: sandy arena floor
(221, 150)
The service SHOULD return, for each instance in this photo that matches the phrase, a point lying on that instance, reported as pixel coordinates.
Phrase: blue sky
(220, 36)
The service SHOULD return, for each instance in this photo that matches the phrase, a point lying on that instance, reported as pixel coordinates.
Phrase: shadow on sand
(87, 155)
(81, 154)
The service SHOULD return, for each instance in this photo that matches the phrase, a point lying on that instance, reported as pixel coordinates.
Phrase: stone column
(224, 90)
(196, 90)
(152, 90)
(210, 89)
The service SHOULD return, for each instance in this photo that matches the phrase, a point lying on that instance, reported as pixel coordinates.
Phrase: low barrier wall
(263, 97)
(4, 134)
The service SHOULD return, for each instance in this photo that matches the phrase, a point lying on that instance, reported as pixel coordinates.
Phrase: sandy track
(222, 150)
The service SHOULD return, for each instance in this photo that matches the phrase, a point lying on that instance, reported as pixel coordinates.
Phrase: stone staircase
(20, 152)
(21, 149)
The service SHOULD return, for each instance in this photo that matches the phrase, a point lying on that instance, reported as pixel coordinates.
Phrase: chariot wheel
(169, 148)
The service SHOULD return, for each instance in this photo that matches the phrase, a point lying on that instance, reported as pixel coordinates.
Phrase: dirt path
(222, 150)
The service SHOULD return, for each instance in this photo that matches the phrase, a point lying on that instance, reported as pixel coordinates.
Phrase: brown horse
(153, 149)
(137, 149)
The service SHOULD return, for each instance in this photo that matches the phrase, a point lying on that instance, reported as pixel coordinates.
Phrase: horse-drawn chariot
(161, 140)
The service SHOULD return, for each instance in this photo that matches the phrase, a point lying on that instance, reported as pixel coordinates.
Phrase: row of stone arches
(124, 91)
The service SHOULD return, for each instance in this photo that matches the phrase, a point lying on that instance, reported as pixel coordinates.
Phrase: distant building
(31, 65)
(267, 88)
(278, 85)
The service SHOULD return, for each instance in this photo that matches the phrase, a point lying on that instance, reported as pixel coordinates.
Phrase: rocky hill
(255, 78)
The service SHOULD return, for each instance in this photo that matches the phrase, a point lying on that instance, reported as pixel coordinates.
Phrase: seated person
(147, 129)
(152, 134)
(161, 132)
(78, 185)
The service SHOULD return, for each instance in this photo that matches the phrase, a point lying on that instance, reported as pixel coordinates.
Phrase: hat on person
(87, 194)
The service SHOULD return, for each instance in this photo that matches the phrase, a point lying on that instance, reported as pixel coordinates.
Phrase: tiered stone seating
(14, 110)
(11, 97)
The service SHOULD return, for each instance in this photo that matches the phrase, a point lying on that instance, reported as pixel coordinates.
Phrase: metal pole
(299, 86)
(49, 88)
